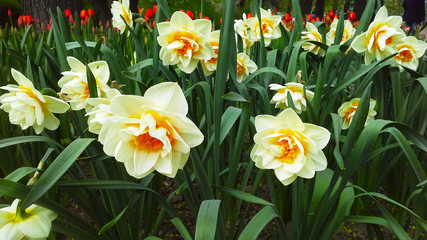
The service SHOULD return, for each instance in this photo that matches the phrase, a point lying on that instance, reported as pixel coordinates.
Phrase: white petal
(169, 97)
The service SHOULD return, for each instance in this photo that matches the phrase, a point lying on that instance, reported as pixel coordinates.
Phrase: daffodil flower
(184, 41)
(209, 66)
(241, 26)
(312, 34)
(35, 223)
(381, 38)
(28, 107)
(348, 32)
(296, 90)
(245, 66)
(100, 111)
(288, 146)
(119, 10)
(348, 110)
(409, 51)
(269, 27)
(74, 82)
(150, 133)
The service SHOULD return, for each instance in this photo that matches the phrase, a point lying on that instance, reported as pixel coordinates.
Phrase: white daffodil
(348, 110)
(269, 27)
(151, 132)
(35, 223)
(209, 66)
(100, 111)
(288, 146)
(296, 90)
(245, 66)
(312, 34)
(184, 42)
(348, 32)
(409, 51)
(119, 10)
(242, 28)
(380, 40)
(74, 82)
(28, 107)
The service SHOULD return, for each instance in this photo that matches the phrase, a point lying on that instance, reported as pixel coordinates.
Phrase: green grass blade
(243, 196)
(257, 223)
(181, 228)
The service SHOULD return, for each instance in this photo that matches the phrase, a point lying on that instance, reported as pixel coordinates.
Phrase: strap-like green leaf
(207, 219)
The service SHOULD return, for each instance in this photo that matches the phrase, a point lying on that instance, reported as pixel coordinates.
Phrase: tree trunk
(359, 7)
(319, 8)
(39, 9)
(306, 6)
(102, 10)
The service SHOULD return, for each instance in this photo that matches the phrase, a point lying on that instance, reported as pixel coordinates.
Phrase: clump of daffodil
(245, 66)
(121, 9)
(209, 66)
(312, 34)
(296, 90)
(288, 146)
(348, 110)
(269, 27)
(184, 41)
(74, 83)
(34, 223)
(150, 133)
(409, 51)
(28, 107)
(381, 38)
(348, 32)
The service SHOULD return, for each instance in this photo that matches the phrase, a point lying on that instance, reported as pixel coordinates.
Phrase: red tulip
(182, 10)
(20, 21)
(206, 17)
(91, 13)
(154, 9)
(67, 13)
(107, 25)
(331, 14)
(139, 10)
(309, 17)
(29, 19)
(352, 16)
(190, 14)
(288, 17)
(149, 13)
(84, 14)
(9, 13)
(154, 24)
(220, 21)
(249, 15)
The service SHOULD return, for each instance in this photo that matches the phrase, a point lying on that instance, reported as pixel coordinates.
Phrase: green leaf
(207, 219)
(27, 139)
(19, 173)
(243, 196)
(91, 82)
(55, 171)
(234, 97)
(257, 223)
(181, 228)
(266, 70)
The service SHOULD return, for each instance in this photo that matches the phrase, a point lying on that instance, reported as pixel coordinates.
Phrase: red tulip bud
(139, 10)
(154, 24)
(107, 25)
(30, 20)
(9, 13)
(67, 13)
(249, 15)
(84, 14)
(331, 14)
(288, 17)
(154, 9)
(20, 21)
(190, 14)
(149, 13)
(352, 16)
(90, 12)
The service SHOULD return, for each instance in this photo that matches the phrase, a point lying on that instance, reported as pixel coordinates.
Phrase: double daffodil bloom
(312, 34)
(184, 41)
(348, 110)
(100, 111)
(119, 10)
(296, 90)
(28, 107)
(150, 133)
(74, 82)
(348, 32)
(241, 26)
(209, 66)
(35, 223)
(269, 27)
(288, 146)
(245, 66)
(409, 51)
(381, 38)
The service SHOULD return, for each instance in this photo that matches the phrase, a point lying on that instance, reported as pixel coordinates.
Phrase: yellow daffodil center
(349, 112)
(189, 42)
(240, 68)
(16, 218)
(32, 95)
(405, 55)
(125, 15)
(290, 144)
(292, 89)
